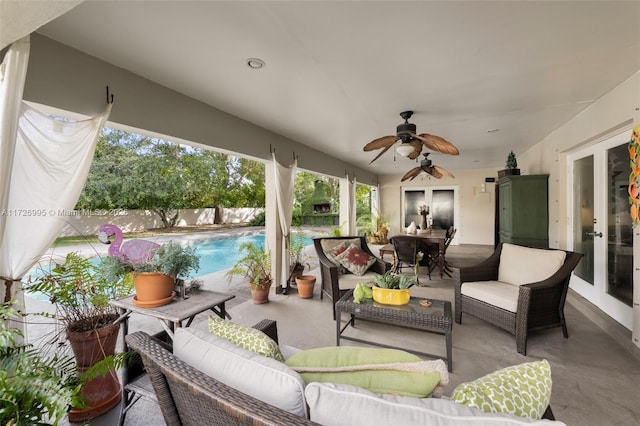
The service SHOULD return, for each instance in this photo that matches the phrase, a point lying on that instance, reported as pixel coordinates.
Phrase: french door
(600, 226)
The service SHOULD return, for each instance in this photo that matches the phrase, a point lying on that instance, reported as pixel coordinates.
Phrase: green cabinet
(523, 210)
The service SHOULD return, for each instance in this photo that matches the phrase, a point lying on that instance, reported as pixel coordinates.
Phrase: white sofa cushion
(524, 265)
(494, 293)
(348, 281)
(261, 377)
(336, 405)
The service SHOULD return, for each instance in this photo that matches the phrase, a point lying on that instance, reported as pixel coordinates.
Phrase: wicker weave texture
(540, 304)
(189, 397)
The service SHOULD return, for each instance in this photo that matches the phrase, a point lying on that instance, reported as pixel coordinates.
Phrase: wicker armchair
(540, 304)
(329, 271)
(189, 397)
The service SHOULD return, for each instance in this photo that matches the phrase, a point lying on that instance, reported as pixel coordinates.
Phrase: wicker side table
(434, 319)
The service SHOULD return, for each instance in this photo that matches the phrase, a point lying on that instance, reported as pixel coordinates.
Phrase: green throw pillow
(246, 337)
(523, 390)
(325, 365)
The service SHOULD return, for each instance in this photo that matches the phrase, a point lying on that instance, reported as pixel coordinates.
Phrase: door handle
(595, 234)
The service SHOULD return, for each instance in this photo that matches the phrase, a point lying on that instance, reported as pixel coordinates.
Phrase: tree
(132, 171)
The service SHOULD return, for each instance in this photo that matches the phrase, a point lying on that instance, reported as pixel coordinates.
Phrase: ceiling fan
(427, 167)
(412, 143)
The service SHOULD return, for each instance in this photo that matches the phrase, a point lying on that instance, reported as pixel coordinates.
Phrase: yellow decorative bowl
(388, 296)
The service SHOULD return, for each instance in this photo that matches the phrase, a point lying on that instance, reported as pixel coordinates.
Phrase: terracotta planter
(153, 289)
(103, 392)
(305, 284)
(260, 294)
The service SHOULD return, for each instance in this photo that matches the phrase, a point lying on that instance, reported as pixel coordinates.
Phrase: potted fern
(255, 265)
(81, 295)
(34, 384)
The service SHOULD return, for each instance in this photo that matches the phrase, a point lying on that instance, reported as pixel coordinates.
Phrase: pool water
(216, 255)
(222, 253)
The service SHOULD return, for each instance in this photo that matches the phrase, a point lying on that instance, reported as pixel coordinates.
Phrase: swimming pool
(216, 254)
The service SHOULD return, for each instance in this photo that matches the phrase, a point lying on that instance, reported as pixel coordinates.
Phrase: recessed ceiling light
(493, 130)
(255, 63)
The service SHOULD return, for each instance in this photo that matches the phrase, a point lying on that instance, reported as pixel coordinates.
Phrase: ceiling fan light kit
(405, 149)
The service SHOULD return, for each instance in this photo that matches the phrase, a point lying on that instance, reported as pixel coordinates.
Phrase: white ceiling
(338, 73)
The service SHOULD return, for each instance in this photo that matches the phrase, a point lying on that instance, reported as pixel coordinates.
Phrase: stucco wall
(615, 112)
(87, 222)
(476, 208)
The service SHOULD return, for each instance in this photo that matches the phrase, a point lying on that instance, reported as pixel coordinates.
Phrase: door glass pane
(442, 214)
(583, 216)
(620, 237)
(412, 202)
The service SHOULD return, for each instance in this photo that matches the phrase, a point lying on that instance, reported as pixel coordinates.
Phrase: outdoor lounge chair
(334, 283)
(495, 290)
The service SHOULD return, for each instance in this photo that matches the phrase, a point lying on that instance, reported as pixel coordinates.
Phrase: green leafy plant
(512, 163)
(34, 389)
(254, 264)
(79, 293)
(170, 259)
(393, 281)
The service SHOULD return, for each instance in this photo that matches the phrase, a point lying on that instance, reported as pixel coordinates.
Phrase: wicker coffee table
(434, 319)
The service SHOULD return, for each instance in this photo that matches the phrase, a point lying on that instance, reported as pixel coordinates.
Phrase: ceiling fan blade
(417, 145)
(438, 144)
(433, 171)
(444, 172)
(411, 174)
(380, 153)
(383, 142)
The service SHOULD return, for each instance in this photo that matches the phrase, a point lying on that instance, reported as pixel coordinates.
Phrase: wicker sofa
(189, 396)
(518, 289)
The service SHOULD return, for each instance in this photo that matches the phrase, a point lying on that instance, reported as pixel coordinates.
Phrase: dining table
(434, 236)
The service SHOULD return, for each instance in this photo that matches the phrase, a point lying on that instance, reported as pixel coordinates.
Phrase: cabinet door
(506, 211)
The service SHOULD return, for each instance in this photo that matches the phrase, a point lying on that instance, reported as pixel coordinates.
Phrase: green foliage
(132, 171)
(393, 281)
(32, 386)
(80, 294)
(171, 259)
(297, 244)
(259, 219)
(512, 163)
(254, 265)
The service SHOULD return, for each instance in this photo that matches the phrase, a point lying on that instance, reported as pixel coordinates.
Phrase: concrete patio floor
(595, 372)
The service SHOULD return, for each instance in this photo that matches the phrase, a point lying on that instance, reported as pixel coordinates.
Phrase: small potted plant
(81, 298)
(511, 166)
(392, 289)
(255, 265)
(154, 280)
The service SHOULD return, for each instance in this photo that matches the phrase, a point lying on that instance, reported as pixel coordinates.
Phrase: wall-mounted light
(405, 149)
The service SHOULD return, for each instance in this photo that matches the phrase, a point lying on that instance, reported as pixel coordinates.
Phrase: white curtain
(285, 181)
(13, 72)
(352, 206)
(41, 181)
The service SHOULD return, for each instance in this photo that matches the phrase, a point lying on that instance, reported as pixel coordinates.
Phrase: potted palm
(155, 279)
(255, 265)
(81, 298)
